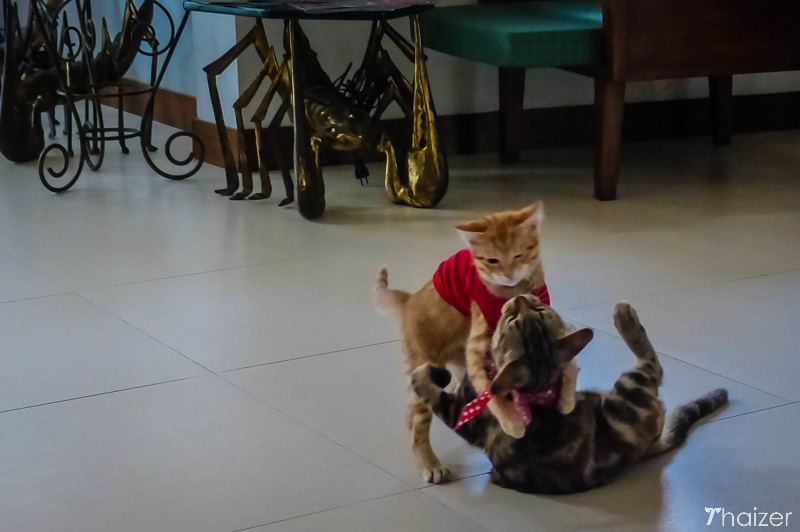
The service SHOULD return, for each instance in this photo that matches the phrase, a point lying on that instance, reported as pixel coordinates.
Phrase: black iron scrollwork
(55, 62)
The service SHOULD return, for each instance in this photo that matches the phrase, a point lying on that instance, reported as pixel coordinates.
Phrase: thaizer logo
(720, 516)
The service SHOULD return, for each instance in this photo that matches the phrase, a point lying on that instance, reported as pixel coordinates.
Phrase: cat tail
(677, 428)
(388, 302)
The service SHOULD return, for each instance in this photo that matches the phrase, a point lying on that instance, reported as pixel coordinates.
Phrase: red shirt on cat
(458, 283)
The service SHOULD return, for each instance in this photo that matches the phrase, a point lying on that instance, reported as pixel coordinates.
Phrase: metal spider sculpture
(338, 116)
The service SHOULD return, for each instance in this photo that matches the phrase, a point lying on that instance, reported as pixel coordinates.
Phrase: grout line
(204, 272)
(67, 290)
(322, 511)
(123, 320)
(422, 492)
(302, 357)
(101, 394)
(748, 413)
(312, 429)
(788, 401)
(663, 354)
(34, 298)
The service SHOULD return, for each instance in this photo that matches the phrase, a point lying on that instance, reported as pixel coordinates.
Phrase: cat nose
(528, 301)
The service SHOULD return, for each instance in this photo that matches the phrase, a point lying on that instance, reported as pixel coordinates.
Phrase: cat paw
(512, 428)
(422, 384)
(436, 475)
(625, 317)
(567, 401)
(566, 406)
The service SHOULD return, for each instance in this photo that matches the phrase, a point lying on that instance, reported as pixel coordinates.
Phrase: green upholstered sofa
(615, 42)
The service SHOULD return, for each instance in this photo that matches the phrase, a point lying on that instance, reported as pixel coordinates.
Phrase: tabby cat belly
(569, 454)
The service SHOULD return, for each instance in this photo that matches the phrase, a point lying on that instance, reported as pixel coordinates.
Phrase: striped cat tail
(677, 428)
(388, 302)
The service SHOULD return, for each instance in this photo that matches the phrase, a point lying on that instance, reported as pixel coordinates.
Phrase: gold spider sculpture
(340, 116)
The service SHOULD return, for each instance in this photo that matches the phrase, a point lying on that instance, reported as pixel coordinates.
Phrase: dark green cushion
(558, 33)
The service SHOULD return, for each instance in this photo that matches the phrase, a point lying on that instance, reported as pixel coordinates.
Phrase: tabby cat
(605, 433)
(503, 261)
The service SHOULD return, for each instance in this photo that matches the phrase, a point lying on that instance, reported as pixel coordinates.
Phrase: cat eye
(518, 256)
(492, 261)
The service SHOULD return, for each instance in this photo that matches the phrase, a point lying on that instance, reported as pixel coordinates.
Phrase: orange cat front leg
(478, 348)
(569, 383)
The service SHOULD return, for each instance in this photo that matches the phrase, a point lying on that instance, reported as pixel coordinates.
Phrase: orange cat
(502, 262)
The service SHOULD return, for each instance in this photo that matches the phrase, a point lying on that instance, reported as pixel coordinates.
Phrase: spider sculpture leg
(258, 39)
(270, 137)
(280, 156)
(280, 86)
(427, 179)
(269, 70)
(421, 179)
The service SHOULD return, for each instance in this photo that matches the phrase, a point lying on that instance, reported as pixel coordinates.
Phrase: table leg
(310, 185)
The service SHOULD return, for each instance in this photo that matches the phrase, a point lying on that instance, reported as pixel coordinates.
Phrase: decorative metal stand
(341, 115)
(69, 72)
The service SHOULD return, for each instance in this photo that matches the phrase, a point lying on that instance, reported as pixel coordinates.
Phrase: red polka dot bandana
(523, 401)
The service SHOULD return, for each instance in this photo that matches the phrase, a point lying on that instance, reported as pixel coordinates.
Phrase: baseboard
(172, 108)
(207, 133)
(564, 126)
(479, 132)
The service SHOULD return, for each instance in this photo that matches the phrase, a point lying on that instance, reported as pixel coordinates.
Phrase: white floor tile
(607, 357)
(18, 281)
(105, 239)
(358, 399)
(62, 347)
(125, 224)
(399, 513)
(195, 455)
(769, 221)
(745, 330)
(236, 318)
(584, 267)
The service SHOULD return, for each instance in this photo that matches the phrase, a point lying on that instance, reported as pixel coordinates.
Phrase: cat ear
(531, 216)
(513, 376)
(471, 231)
(573, 343)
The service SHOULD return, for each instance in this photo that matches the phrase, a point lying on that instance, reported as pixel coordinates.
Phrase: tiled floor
(172, 361)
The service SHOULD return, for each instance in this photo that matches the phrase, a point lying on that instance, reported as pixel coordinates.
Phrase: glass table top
(312, 9)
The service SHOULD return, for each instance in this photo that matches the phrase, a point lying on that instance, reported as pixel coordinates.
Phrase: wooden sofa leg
(512, 94)
(609, 107)
(720, 89)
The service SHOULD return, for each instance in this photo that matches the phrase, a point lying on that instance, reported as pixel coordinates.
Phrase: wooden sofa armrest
(662, 39)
